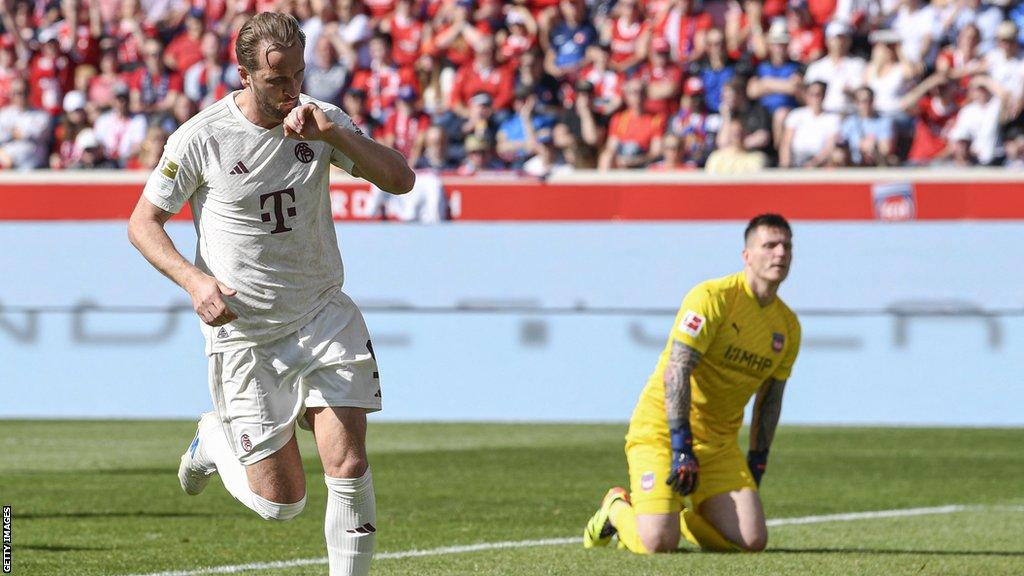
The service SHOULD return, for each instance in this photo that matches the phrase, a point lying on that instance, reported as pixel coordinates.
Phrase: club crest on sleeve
(169, 169)
(246, 442)
(692, 323)
(778, 341)
(647, 481)
(304, 153)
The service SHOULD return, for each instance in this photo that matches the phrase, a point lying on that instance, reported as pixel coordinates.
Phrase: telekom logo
(277, 211)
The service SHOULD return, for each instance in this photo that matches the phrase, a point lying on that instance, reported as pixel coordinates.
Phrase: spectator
(92, 157)
(406, 129)
(627, 36)
(530, 74)
(587, 128)
(776, 81)
(185, 49)
(435, 152)
(433, 100)
(661, 78)
(868, 137)
(672, 156)
(1006, 67)
(546, 159)
(606, 92)
(568, 41)
(353, 102)
(208, 80)
(715, 70)
(733, 157)
(692, 125)
(119, 130)
(887, 74)
(49, 74)
(517, 136)
(634, 136)
(839, 71)
(24, 131)
(150, 150)
(974, 136)
(483, 74)
(519, 37)
(755, 119)
(933, 104)
(455, 34)
(8, 73)
(154, 88)
(479, 157)
(102, 86)
(327, 74)
(745, 28)
(810, 133)
(481, 120)
(807, 41)
(381, 79)
(963, 59)
(917, 23)
(685, 28)
(407, 35)
(982, 16)
(71, 124)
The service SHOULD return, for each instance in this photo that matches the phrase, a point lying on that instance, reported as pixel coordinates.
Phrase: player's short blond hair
(274, 30)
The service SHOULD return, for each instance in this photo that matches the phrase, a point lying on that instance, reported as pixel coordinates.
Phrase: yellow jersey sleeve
(786, 366)
(699, 317)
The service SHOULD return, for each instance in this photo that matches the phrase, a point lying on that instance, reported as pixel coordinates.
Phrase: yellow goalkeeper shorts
(722, 469)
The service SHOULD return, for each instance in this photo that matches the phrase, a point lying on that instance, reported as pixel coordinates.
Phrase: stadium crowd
(540, 86)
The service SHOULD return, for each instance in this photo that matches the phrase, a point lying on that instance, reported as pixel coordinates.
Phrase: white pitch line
(443, 551)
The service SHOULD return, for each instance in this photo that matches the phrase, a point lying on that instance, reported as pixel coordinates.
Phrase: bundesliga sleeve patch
(170, 169)
(692, 323)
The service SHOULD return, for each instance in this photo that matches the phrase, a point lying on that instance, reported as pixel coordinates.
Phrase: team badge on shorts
(692, 323)
(304, 153)
(778, 341)
(647, 481)
(246, 442)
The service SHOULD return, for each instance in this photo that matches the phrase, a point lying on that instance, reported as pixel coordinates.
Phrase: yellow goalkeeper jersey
(741, 344)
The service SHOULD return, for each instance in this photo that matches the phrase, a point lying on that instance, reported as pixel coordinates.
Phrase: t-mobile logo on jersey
(278, 211)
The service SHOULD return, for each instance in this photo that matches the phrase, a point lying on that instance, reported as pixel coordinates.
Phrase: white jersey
(262, 214)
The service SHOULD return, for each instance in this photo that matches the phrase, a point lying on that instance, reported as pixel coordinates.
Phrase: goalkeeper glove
(757, 461)
(683, 474)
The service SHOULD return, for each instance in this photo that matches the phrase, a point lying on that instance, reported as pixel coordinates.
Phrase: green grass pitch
(101, 497)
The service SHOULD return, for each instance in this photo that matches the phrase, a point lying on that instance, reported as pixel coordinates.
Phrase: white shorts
(260, 392)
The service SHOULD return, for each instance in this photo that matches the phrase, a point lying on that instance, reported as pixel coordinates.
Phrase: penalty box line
(445, 550)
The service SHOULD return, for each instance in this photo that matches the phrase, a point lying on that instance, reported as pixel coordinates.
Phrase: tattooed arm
(683, 474)
(767, 408)
(681, 363)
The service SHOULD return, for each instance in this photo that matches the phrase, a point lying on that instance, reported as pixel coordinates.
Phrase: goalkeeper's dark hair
(769, 220)
(277, 30)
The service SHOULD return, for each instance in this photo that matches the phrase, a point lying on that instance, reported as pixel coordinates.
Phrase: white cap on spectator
(778, 33)
(1007, 30)
(838, 28)
(47, 34)
(86, 139)
(74, 100)
(515, 17)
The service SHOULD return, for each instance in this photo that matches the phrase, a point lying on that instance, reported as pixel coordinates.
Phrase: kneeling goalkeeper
(733, 337)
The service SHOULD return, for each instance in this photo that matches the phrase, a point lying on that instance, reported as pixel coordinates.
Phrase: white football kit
(264, 227)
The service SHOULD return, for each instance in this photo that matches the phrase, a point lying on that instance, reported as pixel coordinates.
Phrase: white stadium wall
(908, 323)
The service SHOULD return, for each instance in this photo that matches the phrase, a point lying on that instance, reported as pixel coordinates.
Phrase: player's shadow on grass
(1008, 553)
(61, 515)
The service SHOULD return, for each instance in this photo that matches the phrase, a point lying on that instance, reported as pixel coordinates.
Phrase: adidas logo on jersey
(239, 169)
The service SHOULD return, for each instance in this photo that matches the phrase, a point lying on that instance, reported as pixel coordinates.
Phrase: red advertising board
(833, 197)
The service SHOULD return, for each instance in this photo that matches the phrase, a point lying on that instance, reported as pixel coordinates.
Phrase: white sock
(350, 525)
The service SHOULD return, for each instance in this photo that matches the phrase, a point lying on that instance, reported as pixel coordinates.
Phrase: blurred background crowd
(540, 86)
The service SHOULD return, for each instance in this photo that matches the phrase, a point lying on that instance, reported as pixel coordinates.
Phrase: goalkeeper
(732, 338)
